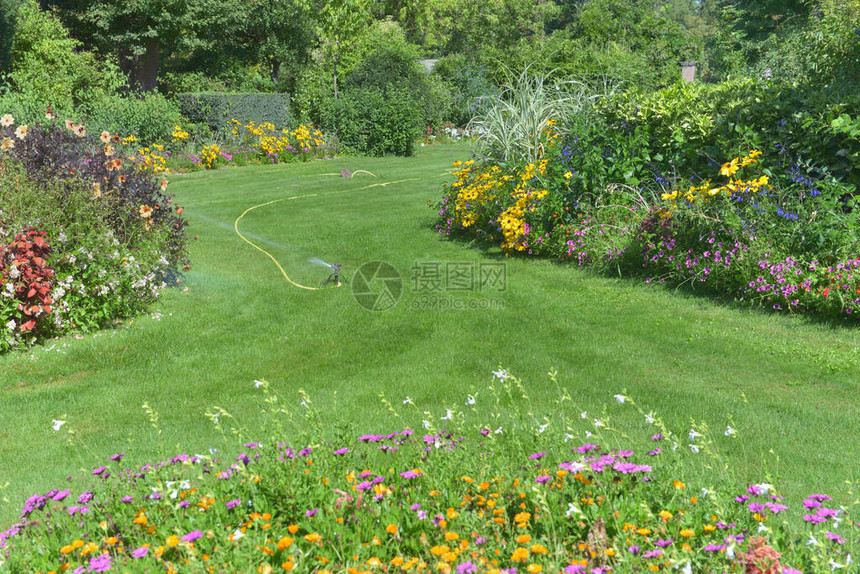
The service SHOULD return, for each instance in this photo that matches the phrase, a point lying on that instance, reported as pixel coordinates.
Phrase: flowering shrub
(475, 490)
(301, 144)
(783, 239)
(86, 234)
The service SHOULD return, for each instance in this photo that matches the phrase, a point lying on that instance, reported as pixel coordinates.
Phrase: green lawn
(790, 385)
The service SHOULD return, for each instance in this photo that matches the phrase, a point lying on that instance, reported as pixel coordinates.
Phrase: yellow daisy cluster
(304, 141)
(476, 187)
(179, 134)
(209, 155)
(702, 193)
(151, 159)
(511, 220)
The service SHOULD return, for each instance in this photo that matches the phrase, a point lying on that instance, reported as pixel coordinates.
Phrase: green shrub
(150, 118)
(373, 122)
(216, 110)
(467, 82)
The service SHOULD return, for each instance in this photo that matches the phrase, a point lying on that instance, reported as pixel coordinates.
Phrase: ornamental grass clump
(490, 487)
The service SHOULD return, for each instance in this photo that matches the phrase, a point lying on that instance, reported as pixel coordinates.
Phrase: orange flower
(687, 532)
(145, 211)
(313, 537)
(391, 529)
(285, 543)
(520, 554)
(8, 143)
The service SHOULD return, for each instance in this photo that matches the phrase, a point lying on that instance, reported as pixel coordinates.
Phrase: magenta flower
(117, 457)
(234, 503)
(341, 451)
(537, 455)
(100, 563)
(543, 479)
(311, 513)
(192, 536)
(410, 474)
(466, 567)
(140, 552)
(58, 496)
(575, 569)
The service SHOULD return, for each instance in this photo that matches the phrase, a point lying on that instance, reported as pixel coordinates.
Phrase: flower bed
(475, 490)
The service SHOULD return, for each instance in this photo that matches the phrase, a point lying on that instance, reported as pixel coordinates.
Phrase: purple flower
(634, 549)
(85, 497)
(480, 541)
(305, 451)
(663, 543)
(192, 536)
(234, 503)
(341, 451)
(117, 457)
(58, 496)
(657, 437)
(465, 567)
(655, 553)
(655, 452)
(140, 552)
(587, 448)
(485, 432)
(575, 569)
(185, 504)
(537, 455)
(99, 470)
(100, 563)
(835, 537)
(787, 570)
(311, 513)
(410, 474)
(714, 547)
(126, 499)
(543, 479)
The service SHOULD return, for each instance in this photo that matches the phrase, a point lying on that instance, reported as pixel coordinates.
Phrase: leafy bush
(150, 118)
(98, 230)
(373, 122)
(49, 68)
(489, 488)
(217, 110)
(468, 83)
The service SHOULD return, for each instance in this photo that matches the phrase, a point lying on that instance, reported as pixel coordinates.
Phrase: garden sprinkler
(334, 276)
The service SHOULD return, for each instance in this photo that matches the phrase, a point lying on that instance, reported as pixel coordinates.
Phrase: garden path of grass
(791, 385)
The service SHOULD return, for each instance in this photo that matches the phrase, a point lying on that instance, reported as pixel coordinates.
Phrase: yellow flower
(729, 168)
(534, 568)
(8, 143)
(313, 537)
(172, 540)
(145, 211)
(524, 539)
(687, 532)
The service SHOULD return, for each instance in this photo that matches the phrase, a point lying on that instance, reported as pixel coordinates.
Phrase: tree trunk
(335, 67)
(142, 70)
(275, 70)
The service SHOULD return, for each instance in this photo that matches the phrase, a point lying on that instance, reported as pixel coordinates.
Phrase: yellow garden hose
(272, 257)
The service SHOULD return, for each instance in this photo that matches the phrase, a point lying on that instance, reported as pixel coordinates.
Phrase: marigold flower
(687, 532)
(313, 537)
(391, 529)
(520, 554)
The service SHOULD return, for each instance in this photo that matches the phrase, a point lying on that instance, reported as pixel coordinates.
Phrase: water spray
(334, 276)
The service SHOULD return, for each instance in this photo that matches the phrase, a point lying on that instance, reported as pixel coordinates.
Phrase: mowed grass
(790, 385)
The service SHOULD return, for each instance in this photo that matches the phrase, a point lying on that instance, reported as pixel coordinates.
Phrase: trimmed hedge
(216, 110)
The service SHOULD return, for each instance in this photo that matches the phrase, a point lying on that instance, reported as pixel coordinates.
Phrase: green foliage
(8, 24)
(49, 68)
(467, 82)
(375, 122)
(150, 117)
(217, 110)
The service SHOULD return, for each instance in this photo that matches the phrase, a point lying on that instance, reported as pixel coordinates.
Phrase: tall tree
(278, 32)
(340, 22)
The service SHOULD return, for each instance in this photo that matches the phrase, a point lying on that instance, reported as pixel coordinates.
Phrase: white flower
(498, 430)
(448, 415)
(258, 383)
(730, 431)
(408, 401)
(7, 120)
(470, 400)
(425, 424)
(58, 424)
(212, 451)
(501, 374)
(567, 437)
(543, 428)
(236, 535)
(11, 325)
(597, 423)
(812, 541)
(694, 435)
(649, 419)
(730, 552)
(583, 415)
(694, 448)
(588, 434)
(764, 488)
(573, 509)
(620, 399)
